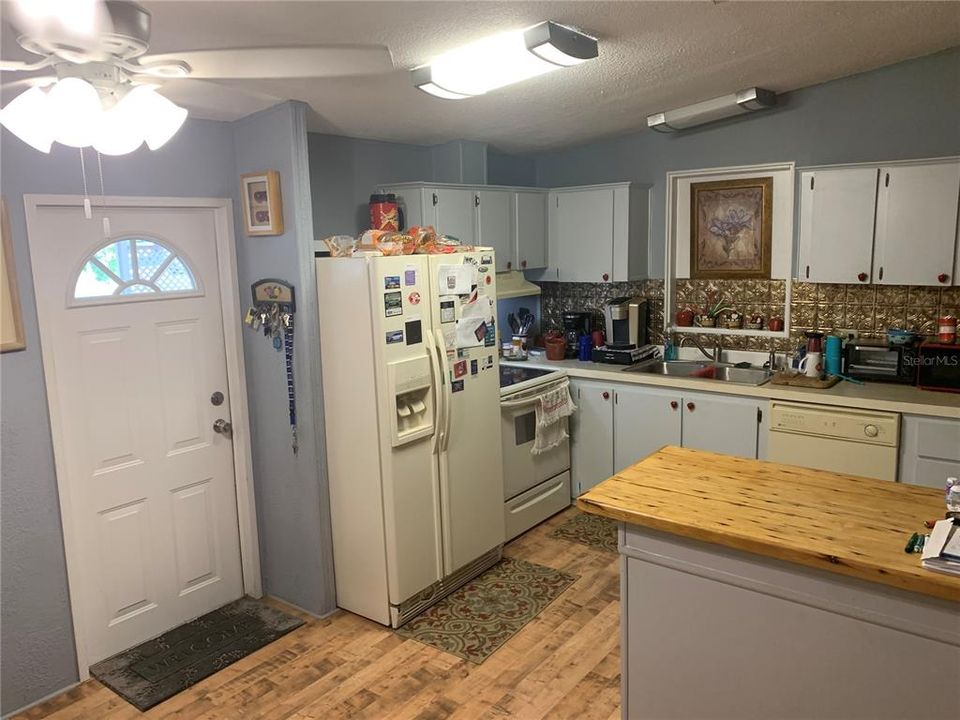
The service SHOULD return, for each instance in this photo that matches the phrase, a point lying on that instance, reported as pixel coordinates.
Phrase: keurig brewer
(626, 321)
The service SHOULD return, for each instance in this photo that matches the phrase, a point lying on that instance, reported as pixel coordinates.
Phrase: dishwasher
(853, 442)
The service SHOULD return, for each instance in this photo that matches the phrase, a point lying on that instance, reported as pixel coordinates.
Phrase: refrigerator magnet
(456, 386)
(414, 298)
(410, 276)
(474, 367)
(448, 309)
(460, 369)
(393, 303)
(394, 336)
(391, 282)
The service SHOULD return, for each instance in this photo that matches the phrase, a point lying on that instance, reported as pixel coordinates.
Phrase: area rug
(589, 530)
(486, 612)
(160, 668)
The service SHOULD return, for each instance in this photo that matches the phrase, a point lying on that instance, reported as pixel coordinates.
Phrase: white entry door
(136, 379)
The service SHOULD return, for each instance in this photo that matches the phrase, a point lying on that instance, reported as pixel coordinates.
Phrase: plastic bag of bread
(385, 242)
(340, 245)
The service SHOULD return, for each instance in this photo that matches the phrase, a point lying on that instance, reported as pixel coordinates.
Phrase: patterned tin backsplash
(869, 309)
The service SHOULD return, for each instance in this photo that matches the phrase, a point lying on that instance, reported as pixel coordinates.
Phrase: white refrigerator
(412, 421)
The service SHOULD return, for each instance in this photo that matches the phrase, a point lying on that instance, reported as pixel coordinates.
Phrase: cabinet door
(837, 209)
(916, 224)
(495, 226)
(591, 447)
(453, 212)
(531, 230)
(583, 235)
(721, 424)
(644, 420)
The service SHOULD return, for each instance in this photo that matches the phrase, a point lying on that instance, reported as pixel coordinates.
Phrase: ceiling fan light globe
(158, 118)
(75, 111)
(27, 117)
(120, 130)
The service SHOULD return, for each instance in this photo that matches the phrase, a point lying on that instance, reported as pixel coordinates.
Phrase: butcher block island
(757, 590)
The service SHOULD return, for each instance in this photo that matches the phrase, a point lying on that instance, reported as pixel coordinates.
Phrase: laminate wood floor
(563, 664)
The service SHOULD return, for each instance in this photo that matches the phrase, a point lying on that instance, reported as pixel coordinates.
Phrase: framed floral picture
(11, 319)
(262, 204)
(731, 228)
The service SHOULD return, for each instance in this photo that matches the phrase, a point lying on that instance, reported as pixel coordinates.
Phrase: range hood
(513, 284)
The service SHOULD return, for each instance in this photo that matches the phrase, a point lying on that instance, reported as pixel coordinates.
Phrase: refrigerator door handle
(448, 392)
(438, 403)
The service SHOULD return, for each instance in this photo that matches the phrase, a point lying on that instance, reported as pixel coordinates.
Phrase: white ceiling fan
(103, 88)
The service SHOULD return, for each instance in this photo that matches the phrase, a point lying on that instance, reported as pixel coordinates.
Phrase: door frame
(236, 381)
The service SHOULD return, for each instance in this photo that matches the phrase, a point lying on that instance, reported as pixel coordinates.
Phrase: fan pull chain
(87, 210)
(103, 199)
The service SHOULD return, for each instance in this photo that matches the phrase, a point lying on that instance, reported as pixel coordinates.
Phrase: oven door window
(524, 428)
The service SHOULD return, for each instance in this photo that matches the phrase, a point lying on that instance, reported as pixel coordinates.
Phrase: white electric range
(535, 486)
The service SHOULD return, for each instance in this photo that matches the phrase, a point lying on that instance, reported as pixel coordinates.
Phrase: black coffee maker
(576, 324)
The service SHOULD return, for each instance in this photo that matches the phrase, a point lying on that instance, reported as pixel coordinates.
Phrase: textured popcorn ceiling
(653, 56)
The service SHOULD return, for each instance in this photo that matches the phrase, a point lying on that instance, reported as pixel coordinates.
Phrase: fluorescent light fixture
(737, 103)
(71, 113)
(504, 59)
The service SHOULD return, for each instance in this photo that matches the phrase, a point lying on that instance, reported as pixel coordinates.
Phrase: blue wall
(36, 634)
(908, 110)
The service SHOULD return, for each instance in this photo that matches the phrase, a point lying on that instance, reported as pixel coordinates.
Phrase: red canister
(947, 330)
(384, 213)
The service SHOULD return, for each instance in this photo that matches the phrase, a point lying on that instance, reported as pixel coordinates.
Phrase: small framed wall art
(11, 320)
(731, 228)
(262, 204)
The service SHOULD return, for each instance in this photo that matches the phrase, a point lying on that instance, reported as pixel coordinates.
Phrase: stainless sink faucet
(717, 348)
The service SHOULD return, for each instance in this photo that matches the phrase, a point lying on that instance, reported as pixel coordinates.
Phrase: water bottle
(952, 495)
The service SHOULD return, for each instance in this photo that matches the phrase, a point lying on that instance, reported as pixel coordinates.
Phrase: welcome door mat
(160, 668)
(486, 612)
(587, 529)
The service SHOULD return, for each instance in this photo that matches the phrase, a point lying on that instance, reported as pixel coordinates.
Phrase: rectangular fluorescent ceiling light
(504, 59)
(700, 113)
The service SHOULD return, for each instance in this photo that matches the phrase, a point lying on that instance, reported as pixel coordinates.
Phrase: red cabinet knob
(606, 395)
(523, 263)
(606, 277)
(943, 277)
(862, 277)
(674, 404)
(509, 264)
(691, 407)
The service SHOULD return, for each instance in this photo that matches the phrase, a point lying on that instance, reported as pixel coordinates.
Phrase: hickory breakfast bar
(756, 590)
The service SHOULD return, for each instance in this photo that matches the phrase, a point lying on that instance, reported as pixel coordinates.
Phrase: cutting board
(801, 380)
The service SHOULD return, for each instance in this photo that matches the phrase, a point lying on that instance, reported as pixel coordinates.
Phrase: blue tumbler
(584, 348)
(832, 353)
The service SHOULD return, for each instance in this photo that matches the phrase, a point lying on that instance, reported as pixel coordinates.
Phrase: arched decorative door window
(134, 268)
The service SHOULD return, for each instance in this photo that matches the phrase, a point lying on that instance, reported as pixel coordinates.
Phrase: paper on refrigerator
(457, 279)
(474, 320)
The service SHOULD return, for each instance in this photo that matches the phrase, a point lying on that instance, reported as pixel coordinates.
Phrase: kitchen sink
(716, 372)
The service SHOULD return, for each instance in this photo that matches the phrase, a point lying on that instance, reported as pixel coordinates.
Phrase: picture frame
(11, 317)
(262, 203)
(731, 228)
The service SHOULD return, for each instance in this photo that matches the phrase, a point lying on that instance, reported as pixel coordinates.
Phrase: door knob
(674, 404)
(606, 395)
(691, 407)
(223, 427)
(862, 277)
(943, 277)
(606, 277)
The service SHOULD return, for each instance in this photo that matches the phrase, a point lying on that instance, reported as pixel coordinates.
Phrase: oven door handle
(538, 393)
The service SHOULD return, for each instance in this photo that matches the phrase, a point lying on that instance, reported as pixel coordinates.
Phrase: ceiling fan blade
(281, 62)
(39, 81)
(213, 101)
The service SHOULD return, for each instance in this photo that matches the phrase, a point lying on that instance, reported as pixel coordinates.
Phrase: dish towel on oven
(553, 418)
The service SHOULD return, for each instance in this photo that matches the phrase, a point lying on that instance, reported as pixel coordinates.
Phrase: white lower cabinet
(591, 442)
(617, 425)
(721, 423)
(929, 450)
(645, 420)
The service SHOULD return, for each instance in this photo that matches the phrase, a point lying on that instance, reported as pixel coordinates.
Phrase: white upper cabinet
(530, 228)
(453, 212)
(916, 235)
(599, 233)
(495, 225)
(836, 224)
(891, 225)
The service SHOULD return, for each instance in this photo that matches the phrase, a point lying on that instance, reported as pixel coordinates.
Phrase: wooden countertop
(839, 523)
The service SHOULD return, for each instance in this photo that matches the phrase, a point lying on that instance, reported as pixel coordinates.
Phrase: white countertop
(870, 396)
